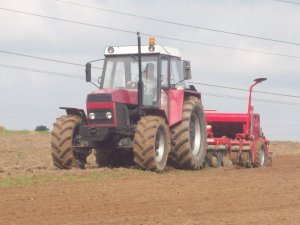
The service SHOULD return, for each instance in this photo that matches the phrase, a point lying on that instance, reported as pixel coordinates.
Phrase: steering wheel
(131, 84)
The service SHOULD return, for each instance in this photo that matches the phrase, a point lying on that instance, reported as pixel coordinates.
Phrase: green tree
(41, 128)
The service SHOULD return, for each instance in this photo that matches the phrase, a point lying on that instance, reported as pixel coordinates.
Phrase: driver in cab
(149, 81)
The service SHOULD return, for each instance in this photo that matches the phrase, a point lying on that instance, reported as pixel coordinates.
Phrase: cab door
(172, 89)
(177, 87)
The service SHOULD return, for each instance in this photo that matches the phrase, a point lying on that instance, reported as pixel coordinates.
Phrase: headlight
(108, 115)
(92, 116)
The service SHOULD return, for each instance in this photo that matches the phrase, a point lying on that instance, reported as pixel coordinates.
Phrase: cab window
(164, 73)
(176, 73)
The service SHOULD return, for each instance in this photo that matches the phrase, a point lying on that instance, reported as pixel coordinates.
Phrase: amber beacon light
(151, 43)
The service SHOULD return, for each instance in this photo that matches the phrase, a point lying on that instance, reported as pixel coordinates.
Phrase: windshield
(122, 72)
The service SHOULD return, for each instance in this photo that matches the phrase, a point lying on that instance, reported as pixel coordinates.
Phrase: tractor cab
(161, 67)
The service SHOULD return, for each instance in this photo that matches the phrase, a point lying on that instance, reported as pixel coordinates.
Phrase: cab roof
(131, 50)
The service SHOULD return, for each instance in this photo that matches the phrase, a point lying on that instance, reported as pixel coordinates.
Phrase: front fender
(76, 112)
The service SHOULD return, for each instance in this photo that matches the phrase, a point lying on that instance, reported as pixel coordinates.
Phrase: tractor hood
(126, 96)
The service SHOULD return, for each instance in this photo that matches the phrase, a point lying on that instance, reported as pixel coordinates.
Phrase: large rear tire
(189, 137)
(151, 144)
(65, 129)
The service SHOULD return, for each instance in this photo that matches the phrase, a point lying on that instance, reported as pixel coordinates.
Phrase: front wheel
(63, 143)
(151, 144)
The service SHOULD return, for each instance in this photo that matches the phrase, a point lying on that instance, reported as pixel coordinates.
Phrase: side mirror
(88, 72)
(187, 70)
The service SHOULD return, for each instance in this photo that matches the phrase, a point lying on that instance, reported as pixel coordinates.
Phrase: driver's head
(149, 71)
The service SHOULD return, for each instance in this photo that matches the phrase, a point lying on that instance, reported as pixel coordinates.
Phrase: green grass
(46, 179)
(8, 132)
(4, 132)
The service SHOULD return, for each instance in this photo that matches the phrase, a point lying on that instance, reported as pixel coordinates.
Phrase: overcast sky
(28, 98)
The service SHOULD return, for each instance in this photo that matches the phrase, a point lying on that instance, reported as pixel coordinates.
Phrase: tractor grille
(100, 116)
(99, 98)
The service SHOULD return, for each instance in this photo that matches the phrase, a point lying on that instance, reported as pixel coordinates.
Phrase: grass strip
(46, 179)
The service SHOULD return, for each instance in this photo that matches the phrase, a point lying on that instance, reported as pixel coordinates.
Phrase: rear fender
(177, 97)
(76, 112)
(192, 92)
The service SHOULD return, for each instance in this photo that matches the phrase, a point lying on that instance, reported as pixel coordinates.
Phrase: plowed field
(33, 192)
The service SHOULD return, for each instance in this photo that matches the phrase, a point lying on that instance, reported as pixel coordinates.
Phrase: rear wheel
(151, 144)
(189, 136)
(64, 133)
(260, 154)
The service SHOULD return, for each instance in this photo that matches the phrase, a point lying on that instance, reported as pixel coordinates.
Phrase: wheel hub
(159, 146)
(262, 157)
(195, 134)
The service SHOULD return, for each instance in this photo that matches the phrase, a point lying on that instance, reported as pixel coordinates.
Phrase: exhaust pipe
(140, 82)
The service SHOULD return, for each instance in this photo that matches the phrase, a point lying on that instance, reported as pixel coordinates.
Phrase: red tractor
(142, 110)
(237, 137)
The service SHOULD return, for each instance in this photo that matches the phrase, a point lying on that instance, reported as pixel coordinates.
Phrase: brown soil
(209, 196)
